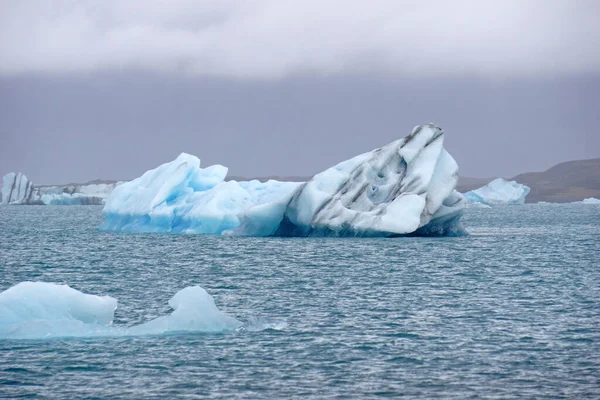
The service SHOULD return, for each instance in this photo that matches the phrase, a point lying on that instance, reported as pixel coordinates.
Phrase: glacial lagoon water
(511, 311)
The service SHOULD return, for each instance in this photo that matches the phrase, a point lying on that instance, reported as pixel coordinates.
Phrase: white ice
(477, 205)
(588, 201)
(406, 187)
(38, 310)
(497, 192)
(402, 188)
(194, 311)
(16, 188)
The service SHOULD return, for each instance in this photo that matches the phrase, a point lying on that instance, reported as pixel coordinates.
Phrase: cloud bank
(269, 39)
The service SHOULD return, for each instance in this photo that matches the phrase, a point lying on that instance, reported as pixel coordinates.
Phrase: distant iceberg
(18, 190)
(588, 201)
(499, 191)
(406, 187)
(39, 310)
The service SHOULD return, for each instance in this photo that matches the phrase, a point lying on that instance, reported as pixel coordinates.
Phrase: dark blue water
(511, 311)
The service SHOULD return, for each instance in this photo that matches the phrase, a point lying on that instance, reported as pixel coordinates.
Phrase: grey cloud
(116, 126)
(278, 38)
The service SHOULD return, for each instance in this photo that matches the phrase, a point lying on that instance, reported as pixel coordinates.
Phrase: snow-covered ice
(37, 310)
(499, 191)
(406, 187)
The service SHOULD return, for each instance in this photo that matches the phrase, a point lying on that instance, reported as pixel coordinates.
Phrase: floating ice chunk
(406, 187)
(588, 201)
(591, 200)
(499, 191)
(39, 310)
(194, 311)
(36, 310)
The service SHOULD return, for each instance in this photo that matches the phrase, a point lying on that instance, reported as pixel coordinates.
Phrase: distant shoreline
(563, 183)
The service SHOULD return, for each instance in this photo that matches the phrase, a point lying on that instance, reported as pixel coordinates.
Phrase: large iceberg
(38, 310)
(406, 187)
(17, 189)
(497, 192)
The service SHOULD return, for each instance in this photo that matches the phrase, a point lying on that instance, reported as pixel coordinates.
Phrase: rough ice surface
(38, 310)
(497, 192)
(406, 187)
(182, 197)
(17, 189)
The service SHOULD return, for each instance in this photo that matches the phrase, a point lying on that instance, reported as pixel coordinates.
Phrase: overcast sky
(109, 89)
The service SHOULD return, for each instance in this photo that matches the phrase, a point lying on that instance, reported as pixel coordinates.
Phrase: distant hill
(563, 183)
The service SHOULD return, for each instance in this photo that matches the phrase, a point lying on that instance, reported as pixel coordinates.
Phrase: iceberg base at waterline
(40, 310)
(404, 188)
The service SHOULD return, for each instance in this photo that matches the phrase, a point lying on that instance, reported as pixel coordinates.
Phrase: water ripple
(511, 311)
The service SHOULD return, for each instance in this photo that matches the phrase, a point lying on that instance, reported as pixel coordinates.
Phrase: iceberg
(182, 197)
(404, 188)
(497, 192)
(87, 194)
(18, 190)
(591, 200)
(588, 201)
(194, 310)
(38, 310)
